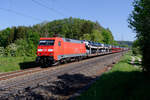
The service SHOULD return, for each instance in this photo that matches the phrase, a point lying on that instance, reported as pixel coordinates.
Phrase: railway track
(33, 79)
(5, 76)
(8, 75)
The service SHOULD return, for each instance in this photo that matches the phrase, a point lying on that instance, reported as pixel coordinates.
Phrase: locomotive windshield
(46, 42)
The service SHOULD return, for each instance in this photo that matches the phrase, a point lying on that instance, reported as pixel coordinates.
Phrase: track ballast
(58, 82)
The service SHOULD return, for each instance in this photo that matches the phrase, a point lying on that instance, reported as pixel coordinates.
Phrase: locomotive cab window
(59, 43)
(47, 42)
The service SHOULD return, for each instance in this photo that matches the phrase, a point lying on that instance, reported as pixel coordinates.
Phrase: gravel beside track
(58, 82)
(8, 75)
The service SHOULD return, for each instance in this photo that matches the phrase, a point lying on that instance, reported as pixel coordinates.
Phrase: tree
(97, 36)
(108, 38)
(139, 21)
(26, 38)
(22, 48)
(135, 47)
(4, 37)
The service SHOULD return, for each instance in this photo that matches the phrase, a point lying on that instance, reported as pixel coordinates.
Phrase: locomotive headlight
(50, 50)
(40, 49)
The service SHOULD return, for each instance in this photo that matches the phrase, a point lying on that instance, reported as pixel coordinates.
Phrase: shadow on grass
(26, 65)
(119, 86)
(137, 63)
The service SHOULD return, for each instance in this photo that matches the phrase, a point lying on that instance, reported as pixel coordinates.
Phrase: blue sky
(112, 14)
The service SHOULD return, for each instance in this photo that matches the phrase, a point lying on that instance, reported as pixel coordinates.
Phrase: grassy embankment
(15, 63)
(123, 82)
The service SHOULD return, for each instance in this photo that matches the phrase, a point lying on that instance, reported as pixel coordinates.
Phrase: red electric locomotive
(56, 49)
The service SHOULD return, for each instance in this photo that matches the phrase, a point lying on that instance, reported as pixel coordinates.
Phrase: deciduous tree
(139, 21)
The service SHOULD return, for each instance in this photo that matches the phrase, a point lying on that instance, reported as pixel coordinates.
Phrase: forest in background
(23, 40)
(125, 43)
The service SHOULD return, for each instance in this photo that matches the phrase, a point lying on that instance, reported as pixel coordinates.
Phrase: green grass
(13, 63)
(123, 82)
(136, 62)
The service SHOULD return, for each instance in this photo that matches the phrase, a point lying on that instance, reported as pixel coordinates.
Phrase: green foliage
(115, 43)
(31, 49)
(2, 51)
(136, 47)
(97, 36)
(139, 21)
(26, 38)
(22, 47)
(108, 38)
(26, 48)
(86, 37)
(94, 36)
(4, 37)
(11, 49)
(77, 29)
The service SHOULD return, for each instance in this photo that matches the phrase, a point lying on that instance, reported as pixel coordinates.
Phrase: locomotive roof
(48, 38)
(65, 39)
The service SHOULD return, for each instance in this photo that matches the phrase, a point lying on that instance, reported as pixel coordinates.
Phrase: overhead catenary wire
(49, 8)
(20, 14)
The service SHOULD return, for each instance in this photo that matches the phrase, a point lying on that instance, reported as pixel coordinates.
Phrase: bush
(25, 48)
(136, 51)
(2, 51)
(22, 47)
(11, 49)
(31, 49)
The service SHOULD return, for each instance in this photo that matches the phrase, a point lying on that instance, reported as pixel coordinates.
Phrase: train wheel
(65, 61)
(76, 59)
(57, 63)
(79, 58)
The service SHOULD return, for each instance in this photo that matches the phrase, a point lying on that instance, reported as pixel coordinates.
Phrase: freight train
(57, 50)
